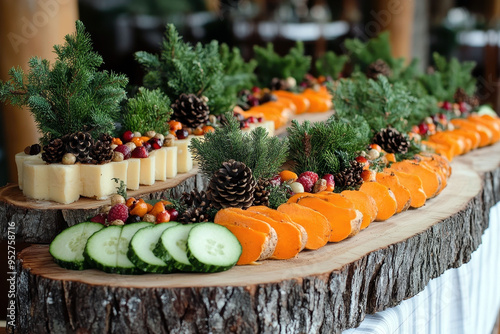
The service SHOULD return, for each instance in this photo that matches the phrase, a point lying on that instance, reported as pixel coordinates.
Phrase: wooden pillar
(397, 17)
(28, 28)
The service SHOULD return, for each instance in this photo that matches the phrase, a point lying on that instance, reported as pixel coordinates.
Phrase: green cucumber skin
(73, 265)
(146, 267)
(163, 254)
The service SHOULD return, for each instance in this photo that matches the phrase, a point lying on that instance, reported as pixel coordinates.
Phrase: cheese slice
(36, 180)
(20, 159)
(147, 175)
(97, 180)
(184, 159)
(64, 183)
(160, 164)
(171, 161)
(133, 173)
(120, 169)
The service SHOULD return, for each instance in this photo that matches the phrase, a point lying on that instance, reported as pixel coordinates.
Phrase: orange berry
(376, 147)
(163, 217)
(288, 175)
(175, 125)
(137, 141)
(145, 138)
(157, 208)
(117, 141)
(208, 128)
(166, 203)
(130, 202)
(198, 131)
(150, 207)
(139, 209)
(390, 157)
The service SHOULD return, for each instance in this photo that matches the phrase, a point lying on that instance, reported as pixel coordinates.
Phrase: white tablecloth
(463, 300)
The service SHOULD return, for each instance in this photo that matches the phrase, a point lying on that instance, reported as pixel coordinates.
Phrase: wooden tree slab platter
(40, 221)
(326, 291)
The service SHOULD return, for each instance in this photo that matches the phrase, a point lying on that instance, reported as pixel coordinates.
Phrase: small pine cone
(392, 141)
(261, 194)
(460, 95)
(378, 67)
(101, 153)
(195, 198)
(232, 186)
(191, 110)
(279, 84)
(194, 215)
(350, 177)
(53, 151)
(106, 139)
(80, 144)
(198, 207)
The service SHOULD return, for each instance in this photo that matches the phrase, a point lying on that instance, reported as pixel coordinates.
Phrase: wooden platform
(327, 290)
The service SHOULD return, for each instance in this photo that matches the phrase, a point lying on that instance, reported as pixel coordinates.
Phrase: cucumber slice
(172, 246)
(67, 247)
(107, 248)
(212, 248)
(140, 251)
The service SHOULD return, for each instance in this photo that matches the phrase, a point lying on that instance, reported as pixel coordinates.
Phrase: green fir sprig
(148, 110)
(72, 95)
(183, 68)
(331, 64)
(238, 74)
(264, 155)
(325, 147)
(271, 65)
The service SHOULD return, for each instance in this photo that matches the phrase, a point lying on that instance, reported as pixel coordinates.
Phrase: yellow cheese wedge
(184, 158)
(171, 161)
(120, 169)
(97, 180)
(160, 164)
(133, 173)
(20, 159)
(36, 180)
(65, 185)
(147, 175)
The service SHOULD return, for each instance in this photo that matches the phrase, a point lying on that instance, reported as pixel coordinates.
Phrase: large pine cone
(232, 186)
(261, 194)
(378, 67)
(53, 151)
(191, 110)
(392, 141)
(79, 143)
(350, 177)
(198, 207)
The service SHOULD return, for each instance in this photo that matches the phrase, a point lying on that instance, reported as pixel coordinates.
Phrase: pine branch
(330, 64)
(148, 110)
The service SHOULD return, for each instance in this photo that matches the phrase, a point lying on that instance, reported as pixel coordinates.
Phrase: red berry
(442, 117)
(127, 136)
(464, 107)
(330, 181)
(140, 152)
(174, 214)
(252, 119)
(255, 89)
(125, 150)
(147, 146)
(306, 182)
(155, 143)
(276, 181)
(181, 134)
(118, 211)
(361, 159)
(446, 105)
(260, 119)
(312, 175)
(100, 218)
(423, 128)
(163, 217)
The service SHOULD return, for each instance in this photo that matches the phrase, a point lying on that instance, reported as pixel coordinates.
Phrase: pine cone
(191, 110)
(391, 141)
(350, 177)
(261, 194)
(232, 186)
(198, 207)
(461, 96)
(53, 151)
(80, 144)
(101, 153)
(378, 67)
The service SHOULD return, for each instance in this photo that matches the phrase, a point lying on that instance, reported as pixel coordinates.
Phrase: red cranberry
(276, 180)
(252, 119)
(140, 152)
(147, 146)
(155, 143)
(447, 105)
(174, 214)
(423, 128)
(125, 150)
(181, 134)
(127, 136)
(260, 119)
(255, 89)
(464, 107)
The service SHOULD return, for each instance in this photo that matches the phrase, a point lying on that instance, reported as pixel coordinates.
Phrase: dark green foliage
(264, 155)
(331, 64)
(238, 73)
(72, 95)
(271, 65)
(182, 68)
(379, 102)
(447, 77)
(326, 147)
(279, 195)
(363, 54)
(148, 110)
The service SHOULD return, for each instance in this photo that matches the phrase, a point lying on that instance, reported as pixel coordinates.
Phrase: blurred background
(468, 30)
